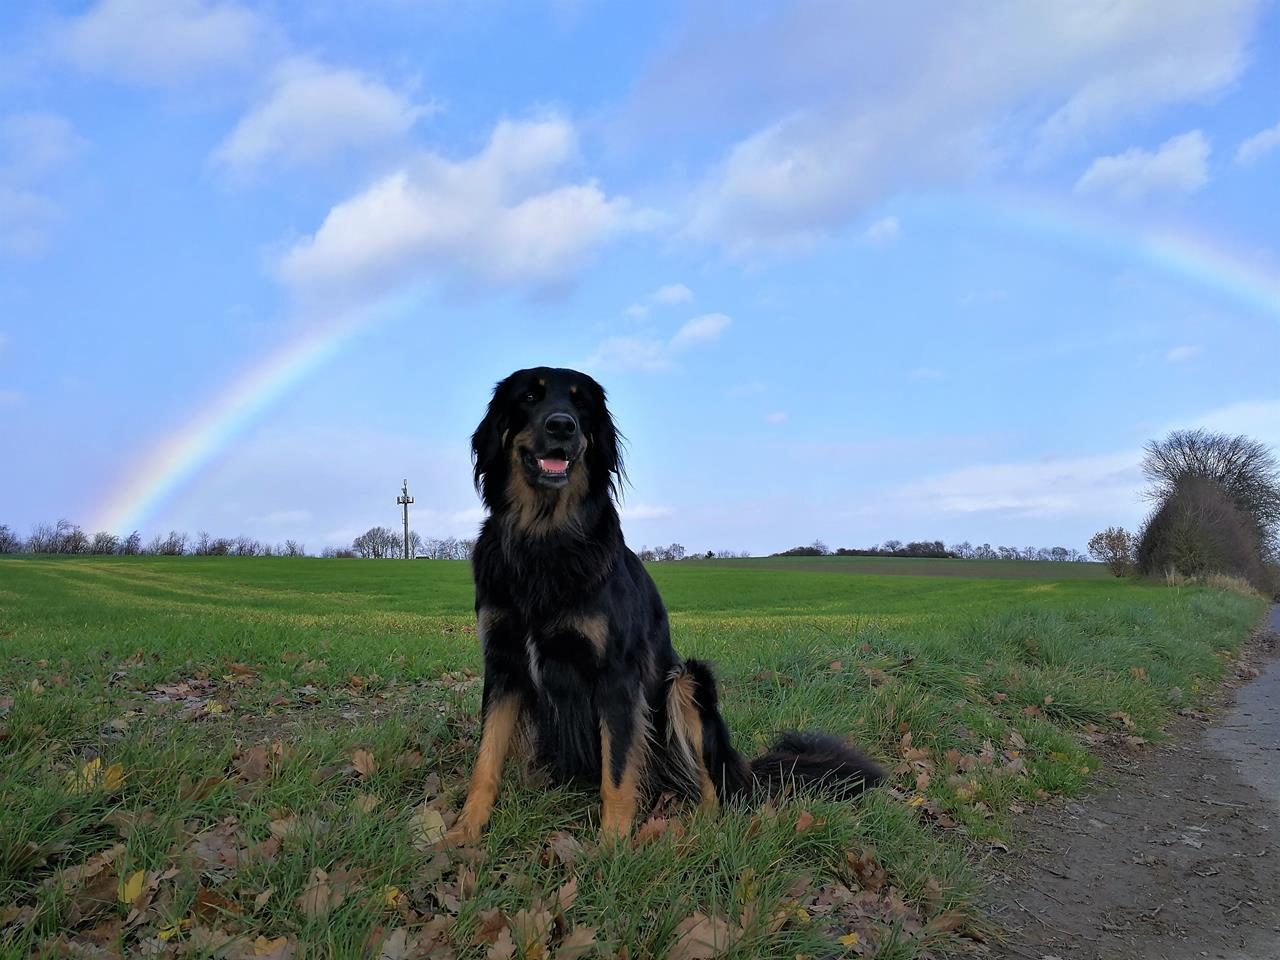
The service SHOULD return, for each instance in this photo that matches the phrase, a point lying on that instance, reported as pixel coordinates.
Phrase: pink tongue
(553, 466)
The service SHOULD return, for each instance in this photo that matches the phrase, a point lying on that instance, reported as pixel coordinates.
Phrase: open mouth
(552, 469)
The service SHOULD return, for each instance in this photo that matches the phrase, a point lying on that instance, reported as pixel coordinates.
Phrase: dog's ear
(604, 452)
(488, 462)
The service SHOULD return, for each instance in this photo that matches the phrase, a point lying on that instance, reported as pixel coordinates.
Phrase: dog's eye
(529, 397)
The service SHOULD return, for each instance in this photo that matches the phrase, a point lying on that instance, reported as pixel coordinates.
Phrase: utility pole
(404, 500)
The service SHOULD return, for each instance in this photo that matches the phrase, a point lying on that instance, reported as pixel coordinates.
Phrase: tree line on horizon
(937, 550)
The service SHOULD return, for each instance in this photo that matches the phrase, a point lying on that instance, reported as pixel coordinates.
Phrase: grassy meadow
(218, 757)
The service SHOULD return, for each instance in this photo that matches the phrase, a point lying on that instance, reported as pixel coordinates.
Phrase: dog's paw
(461, 833)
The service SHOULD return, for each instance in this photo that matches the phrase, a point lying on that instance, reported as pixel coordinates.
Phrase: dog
(577, 648)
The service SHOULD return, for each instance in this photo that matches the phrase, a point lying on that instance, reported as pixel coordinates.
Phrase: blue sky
(847, 271)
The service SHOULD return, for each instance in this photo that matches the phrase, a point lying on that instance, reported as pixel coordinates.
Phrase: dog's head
(547, 437)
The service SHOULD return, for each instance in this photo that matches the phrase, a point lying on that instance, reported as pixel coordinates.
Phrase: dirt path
(1178, 857)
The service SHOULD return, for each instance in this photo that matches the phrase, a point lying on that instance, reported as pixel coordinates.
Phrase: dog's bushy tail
(800, 759)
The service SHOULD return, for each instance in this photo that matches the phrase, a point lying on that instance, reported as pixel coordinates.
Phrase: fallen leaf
(210, 907)
(395, 946)
(366, 802)
(391, 895)
(261, 899)
(804, 821)
(319, 896)
(580, 942)
(504, 948)
(427, 827)
(280, 948)
(849, 940)
(699, 937)
(531, 929)
(364, 762)
(566, 895)
(131, 888)
(94, 776)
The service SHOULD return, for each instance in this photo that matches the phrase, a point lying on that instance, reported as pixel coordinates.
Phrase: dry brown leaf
(395, 946)
(364, 762)
(580, 942)
(261, 899)
(427, 827)
(531, 930)
(209, 906)
(655, 827)
(279, 948)
(504, 948)
(699, 937)
(804, 821)
(564, 847)
(566, 895)
(319, 896)
(490, 927)
(366, 802)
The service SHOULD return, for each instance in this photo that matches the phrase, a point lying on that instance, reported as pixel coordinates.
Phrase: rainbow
(179, 457)
(176, 459)
(1194, 260)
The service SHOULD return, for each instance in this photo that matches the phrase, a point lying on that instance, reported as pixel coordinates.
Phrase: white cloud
(27, 221)
(883, 232)
(497, 219)
(1183, 354)
(33, 148)
(778, 417)
(35, 144)
(643, 511)
(162, 41)
(668, 295)
(653, 355)
(704, 329)
(672, 293)
(1040, 489)
(1258, 146)
(1259, 419)
(311, 111)
(837, 125)
(1179, 165)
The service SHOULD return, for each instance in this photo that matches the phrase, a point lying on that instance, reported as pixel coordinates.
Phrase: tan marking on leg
(499, 726)
(685, 726)
(620, 799)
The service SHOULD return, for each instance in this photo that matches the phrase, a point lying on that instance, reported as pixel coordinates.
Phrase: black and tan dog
(577, 651)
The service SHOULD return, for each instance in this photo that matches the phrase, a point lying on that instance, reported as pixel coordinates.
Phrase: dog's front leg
(503, 703)
(624, 744)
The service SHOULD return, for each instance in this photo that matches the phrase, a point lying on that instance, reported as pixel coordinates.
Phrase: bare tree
(10, 542)
(1245, 468)
(104, 543)
(292, 548)
(131, 546)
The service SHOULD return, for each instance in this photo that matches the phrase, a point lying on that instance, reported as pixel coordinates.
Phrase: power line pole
(404, 500)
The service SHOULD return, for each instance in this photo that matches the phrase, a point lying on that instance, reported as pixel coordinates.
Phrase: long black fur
(544, 566)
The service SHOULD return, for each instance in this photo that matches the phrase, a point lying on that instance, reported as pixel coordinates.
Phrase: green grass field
(210, 757)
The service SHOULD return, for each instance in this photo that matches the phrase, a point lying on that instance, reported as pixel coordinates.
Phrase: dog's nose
(560, 426)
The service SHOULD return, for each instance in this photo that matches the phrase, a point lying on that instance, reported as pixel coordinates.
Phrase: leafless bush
(1244, 469)
(1199, 530)
(104, 543)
